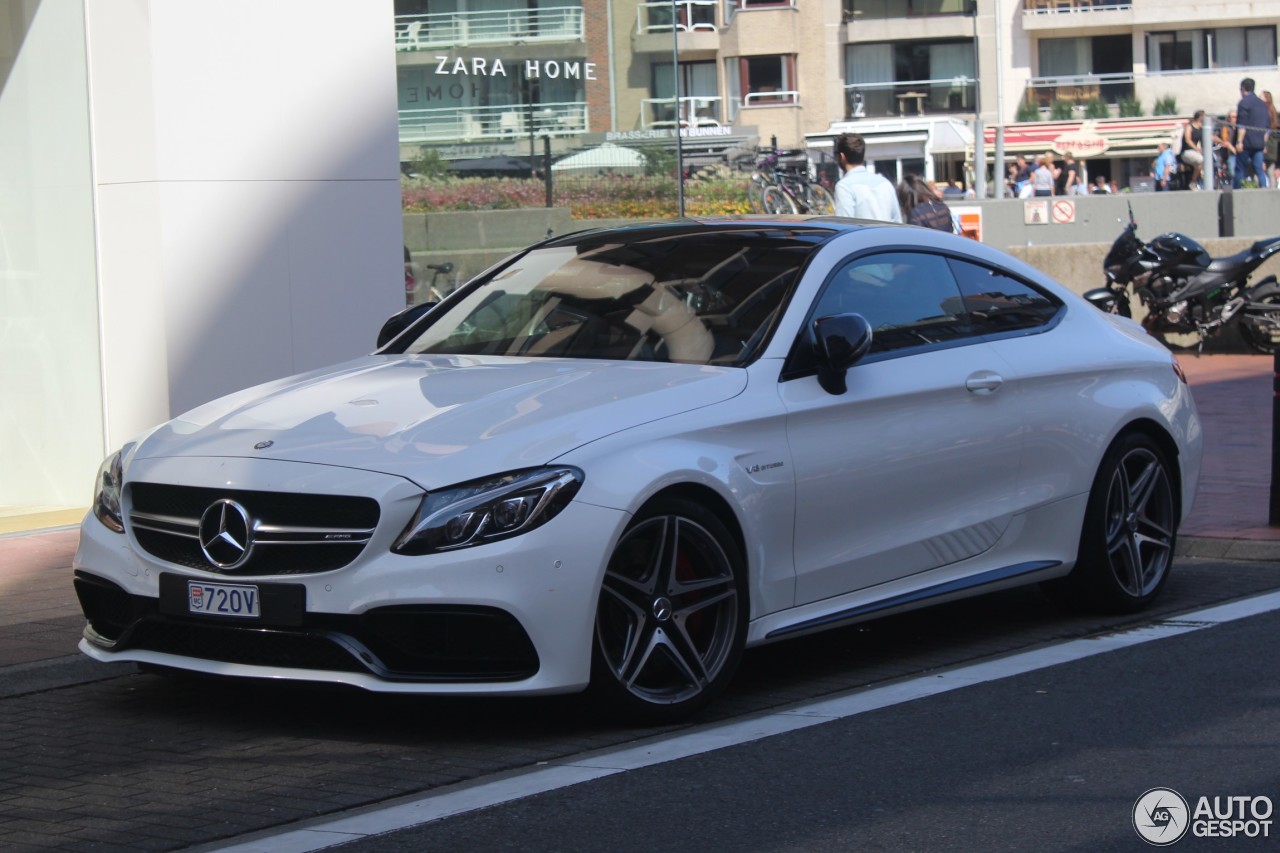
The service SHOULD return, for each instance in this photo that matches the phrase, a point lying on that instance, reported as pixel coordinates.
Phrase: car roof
(816, 229)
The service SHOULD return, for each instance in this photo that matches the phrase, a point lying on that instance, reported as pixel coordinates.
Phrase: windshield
(697, 297)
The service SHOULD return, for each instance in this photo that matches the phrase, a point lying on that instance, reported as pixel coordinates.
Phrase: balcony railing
(911, 97)
(691, 16)
(732, 7)
(466, 124)
(788, 97)
(1079, 88)
(879, 10)
(1072, 7)
(463, 29)
(695, 111)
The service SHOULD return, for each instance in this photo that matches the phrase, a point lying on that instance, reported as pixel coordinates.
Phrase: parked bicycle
(777, 187)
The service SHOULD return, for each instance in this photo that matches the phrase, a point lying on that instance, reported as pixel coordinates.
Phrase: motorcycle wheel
(1262, 337)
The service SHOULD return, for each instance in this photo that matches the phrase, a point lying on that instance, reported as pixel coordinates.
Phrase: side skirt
(958, 588)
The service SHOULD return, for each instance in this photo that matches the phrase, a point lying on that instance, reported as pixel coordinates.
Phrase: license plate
(223, 599)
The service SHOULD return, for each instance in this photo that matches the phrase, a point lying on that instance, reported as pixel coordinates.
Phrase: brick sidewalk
(1234, 396)
(40, 619)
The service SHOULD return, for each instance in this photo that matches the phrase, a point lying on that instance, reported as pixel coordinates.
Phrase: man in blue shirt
(1253, 120)
(1164, 166)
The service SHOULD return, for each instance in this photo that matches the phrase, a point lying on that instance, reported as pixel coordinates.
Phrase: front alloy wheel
(672, 616)
(1126, 547)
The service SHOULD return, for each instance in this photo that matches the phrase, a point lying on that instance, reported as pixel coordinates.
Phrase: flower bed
(596, 197)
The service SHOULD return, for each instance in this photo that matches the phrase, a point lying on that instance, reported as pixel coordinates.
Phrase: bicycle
(776, 189)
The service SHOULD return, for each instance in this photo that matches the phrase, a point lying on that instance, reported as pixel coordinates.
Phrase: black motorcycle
(1186, 292)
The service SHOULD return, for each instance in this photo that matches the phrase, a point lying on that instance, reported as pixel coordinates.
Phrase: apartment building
(912, 76)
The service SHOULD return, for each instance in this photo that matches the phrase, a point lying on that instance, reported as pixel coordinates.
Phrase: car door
(914, 466)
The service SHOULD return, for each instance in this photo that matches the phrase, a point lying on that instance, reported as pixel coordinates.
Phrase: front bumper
(510, 617)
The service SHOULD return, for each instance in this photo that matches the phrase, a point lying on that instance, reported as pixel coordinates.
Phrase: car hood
(440, 420)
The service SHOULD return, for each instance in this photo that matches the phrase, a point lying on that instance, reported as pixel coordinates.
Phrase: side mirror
(397, 323)
(839, 342)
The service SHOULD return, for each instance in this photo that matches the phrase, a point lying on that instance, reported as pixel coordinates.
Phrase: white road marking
(496, 790)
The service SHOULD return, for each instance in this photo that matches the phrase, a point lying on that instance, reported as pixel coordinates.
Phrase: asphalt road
(1050, 760)
(134, 762)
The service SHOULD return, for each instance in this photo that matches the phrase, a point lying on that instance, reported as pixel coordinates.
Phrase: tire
(820, 201)
(776, 201)
(671, 621)
(1262, 338)
(1129, 533)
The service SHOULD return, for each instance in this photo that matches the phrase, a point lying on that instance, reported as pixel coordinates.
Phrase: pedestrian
(1021, 174)
(1252, 124)
(1068, 176)
(1269, 158)
(1042, 177)
(1163, 166)
(1227, 144)
(861, 193)
(922, 206)
(1100, 186)
(1192, 148)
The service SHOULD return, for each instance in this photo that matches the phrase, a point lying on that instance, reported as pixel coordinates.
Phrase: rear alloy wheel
(1130, 528)
(672, 616)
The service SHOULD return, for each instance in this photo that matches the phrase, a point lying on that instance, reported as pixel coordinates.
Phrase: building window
(756, 81)
(1226, 47)
(699, 104)
(916, 77)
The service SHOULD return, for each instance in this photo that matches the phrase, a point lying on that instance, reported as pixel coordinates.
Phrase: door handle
(984, 382)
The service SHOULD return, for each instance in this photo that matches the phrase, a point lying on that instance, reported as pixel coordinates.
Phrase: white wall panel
(249, 195)
(50, 407)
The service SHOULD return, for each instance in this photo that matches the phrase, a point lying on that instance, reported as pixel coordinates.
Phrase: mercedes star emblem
(226, 534)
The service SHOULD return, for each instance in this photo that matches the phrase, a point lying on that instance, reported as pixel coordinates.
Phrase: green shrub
(1097, 108)
(1028, 112)
(1166, 106)
(1129, 107)
(1061, 110)
(429, 164)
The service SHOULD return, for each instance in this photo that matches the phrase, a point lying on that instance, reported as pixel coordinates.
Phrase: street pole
(998, 171)
(1274, 518)
(675, 77)
(979, 135)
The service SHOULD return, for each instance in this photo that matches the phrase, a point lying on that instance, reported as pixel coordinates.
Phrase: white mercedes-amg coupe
(620, 457)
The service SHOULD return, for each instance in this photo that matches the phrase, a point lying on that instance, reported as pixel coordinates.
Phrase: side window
(909, 299)
(997, 303)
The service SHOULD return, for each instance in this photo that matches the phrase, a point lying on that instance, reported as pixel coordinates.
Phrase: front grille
(292, 533)
(429, 643)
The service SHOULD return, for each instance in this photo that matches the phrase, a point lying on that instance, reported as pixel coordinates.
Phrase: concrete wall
(51, 416)
(247, 194)
(1072, 253)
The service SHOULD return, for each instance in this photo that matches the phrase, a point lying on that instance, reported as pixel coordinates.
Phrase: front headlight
(488, 510)
(106, 491)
